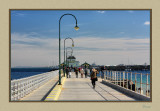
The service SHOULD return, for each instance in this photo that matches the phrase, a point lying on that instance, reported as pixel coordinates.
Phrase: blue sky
(121, 36)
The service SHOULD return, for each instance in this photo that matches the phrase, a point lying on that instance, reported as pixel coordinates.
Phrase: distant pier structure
(71, 61)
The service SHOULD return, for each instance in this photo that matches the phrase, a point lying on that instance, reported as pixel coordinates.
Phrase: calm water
(17, 73)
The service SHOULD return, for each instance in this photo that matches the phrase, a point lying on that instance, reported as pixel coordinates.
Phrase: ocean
(18, 73)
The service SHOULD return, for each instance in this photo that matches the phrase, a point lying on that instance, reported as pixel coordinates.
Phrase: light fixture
(72, 45)
(76, 27)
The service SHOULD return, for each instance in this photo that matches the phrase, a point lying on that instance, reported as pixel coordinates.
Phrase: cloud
(31, 50)
(130, 11)
(15, 13)
(101, 12)
(147, 23)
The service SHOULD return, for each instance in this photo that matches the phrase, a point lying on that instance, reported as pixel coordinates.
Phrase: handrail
(22, 87)
(129, 80)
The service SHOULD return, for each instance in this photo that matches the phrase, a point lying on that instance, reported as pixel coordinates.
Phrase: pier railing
(24, 86)
(138, 82)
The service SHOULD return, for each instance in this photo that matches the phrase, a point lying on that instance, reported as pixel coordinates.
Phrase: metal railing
(24, 86)
(138, 82)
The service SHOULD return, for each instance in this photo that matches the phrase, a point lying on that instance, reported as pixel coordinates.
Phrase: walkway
(80, 89)
(40, 93)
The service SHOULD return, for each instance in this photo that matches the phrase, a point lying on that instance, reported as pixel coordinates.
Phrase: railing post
(141, 91)
(110, 76)
(123, 78)
(147, 86)
(135, 81)
(116, 79)
(131, 80)
(120, 78)
(127, 80)
(105, 73)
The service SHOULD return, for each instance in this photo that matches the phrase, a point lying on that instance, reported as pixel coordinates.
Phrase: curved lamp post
(64, 50)
(76, 28)
(67, 53)
(67, 56)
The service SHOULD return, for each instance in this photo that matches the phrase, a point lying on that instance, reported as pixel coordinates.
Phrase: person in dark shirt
(67, 71)
(76, 71)
(94, 77)
(86, 72)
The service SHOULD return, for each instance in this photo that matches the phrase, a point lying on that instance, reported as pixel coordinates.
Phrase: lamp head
(76, 27)
(72, 45)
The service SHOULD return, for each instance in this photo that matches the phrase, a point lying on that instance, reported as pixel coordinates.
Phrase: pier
(45, 87)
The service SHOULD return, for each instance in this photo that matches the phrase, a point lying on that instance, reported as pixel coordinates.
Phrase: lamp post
(68, 51)
(64, 50)
(67, 56)
(76, 28)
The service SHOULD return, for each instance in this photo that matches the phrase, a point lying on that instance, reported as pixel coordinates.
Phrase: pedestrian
(94, 77)
(76, 71)
(90, 70)
(86, 72)
(82, 72)
(79, 69)
(67, 71)
(103, 69)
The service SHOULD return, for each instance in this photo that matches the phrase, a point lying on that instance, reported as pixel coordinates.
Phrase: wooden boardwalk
(80, 89)
(40, 93)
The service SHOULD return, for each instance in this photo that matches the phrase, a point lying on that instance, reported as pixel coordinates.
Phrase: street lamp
(76, 28)
(64, 50)
(67, 57)
(67, 52)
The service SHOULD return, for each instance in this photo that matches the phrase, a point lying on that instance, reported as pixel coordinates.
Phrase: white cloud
(101, 12)
(130, 11)
(30, 50)
(14, 13)
(147, 23)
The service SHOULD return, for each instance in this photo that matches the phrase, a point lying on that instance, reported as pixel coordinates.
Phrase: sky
(105, 37)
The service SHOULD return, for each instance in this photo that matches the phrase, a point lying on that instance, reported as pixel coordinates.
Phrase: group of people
(93, 74)
(76, 70)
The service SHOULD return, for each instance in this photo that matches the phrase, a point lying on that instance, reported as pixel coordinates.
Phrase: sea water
(18, 73)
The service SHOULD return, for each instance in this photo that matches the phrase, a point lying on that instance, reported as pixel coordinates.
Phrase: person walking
(76, 71)
(79, 69)
(67, 71)
(86, 72)
(94, 77)
(70, 72)
(103, 69)
(82, 72)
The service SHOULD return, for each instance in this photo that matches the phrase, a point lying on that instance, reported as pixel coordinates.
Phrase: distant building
(85, 65)
(71, 60)
(94, 64)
